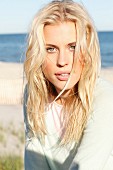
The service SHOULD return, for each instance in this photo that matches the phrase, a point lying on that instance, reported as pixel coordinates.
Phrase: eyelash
(52, 49)
(72, 47)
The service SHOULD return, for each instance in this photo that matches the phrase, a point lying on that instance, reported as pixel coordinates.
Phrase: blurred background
(15, 19)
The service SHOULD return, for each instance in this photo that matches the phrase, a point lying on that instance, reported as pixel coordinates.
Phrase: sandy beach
(11, 109)
(11, 112)
(11, 83)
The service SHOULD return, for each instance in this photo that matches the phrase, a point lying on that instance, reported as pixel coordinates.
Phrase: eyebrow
(72, 43)
(55, 46)
(52, 45)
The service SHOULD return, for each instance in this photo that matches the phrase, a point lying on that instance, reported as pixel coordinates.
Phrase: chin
(66, 90)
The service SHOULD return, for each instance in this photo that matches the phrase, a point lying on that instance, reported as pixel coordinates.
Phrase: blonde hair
(78, 107)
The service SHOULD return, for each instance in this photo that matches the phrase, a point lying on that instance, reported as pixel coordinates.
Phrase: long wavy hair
(78, 106)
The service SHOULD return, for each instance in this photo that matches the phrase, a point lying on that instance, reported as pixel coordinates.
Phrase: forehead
(60, 32)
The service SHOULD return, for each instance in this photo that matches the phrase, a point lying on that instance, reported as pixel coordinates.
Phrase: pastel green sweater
(96, 148)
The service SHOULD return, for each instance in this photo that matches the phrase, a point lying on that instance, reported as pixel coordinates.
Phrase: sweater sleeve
(97, 142)
(34, 157)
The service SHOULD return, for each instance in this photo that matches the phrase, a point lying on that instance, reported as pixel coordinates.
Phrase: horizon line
(7, 33)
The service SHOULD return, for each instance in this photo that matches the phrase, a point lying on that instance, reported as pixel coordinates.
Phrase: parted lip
(62, 75)
(62, 72)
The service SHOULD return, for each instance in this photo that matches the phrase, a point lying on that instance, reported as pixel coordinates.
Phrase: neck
(66, 95)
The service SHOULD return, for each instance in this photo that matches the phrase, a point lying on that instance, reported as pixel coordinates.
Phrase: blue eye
(50, 49)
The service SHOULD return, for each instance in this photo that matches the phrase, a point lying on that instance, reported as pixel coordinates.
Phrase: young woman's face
(60, 41)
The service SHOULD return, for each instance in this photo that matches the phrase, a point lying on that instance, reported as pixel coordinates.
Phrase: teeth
(64, 75)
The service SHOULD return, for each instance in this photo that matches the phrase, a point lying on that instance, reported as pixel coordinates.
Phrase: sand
(11, 130)
(11, 111)
(11, 83)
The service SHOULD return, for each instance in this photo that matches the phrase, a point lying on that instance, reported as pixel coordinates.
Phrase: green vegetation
(11, 163)
(2, 138)
(17, 133)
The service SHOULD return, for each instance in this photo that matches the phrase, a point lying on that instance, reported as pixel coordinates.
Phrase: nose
(62, 59)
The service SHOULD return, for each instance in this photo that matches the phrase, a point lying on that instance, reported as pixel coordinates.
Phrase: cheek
(77, 71)
(78, 66)
(47, 67)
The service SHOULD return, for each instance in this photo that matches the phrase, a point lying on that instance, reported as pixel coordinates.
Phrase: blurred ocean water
(106, 47)
(13, 47)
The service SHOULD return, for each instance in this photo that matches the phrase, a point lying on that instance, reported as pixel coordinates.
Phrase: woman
(68, 108)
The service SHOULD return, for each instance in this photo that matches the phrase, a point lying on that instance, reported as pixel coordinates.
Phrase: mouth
(62, 76)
